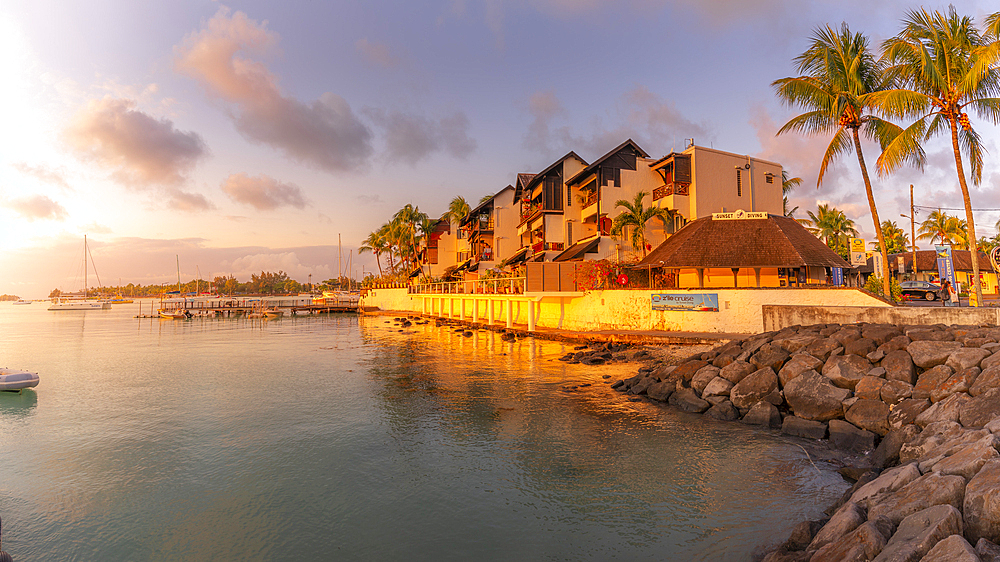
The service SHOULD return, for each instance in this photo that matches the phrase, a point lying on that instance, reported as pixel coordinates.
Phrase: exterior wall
(722, 277)
(506, 215)
(740, 310)
(713, 187)
(449, 245)
(778, 317)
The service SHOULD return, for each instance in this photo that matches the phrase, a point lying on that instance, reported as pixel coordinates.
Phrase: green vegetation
(833, 226)
(634, 217)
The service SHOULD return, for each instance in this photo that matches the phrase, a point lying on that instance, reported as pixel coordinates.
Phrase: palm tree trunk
(878, 225)
(973, 244)
(378, 262)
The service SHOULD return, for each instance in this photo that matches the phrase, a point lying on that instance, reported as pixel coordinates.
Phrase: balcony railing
(498, 286)
(663, 191)
(541, 246)
(591, 199)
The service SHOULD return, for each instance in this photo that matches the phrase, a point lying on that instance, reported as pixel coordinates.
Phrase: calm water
(339, 438)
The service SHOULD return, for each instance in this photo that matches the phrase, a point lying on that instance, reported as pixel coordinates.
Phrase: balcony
(542, 246)
(663, 191)
(591, 199)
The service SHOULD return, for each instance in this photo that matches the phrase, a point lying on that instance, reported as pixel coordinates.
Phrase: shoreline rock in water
(923, 403)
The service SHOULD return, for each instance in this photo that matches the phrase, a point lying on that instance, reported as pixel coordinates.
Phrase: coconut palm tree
(943, 66)
(457, 209)
(787, 184)
(958, 233)
(636, 215)
(934, 226)
(832, 226)
(375, 243)
(839, 76)
(896, 240)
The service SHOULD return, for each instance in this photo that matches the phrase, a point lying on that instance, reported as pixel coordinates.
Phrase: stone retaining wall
(778, 317)
(922, 401)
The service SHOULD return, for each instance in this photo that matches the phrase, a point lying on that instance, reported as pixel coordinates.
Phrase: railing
(496, 286)
(538, 246)
(663, 191)
(591, 199)
(541, 246)
(484, 225)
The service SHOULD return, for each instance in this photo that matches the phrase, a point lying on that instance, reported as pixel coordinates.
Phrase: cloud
(97, 228)
(47, 175)
(138, 148)
(288, 262)
(37, 207)
(412, 138)
(365, 199)
(324, 133)
(187, 201)
(377, 53)
(262, 192)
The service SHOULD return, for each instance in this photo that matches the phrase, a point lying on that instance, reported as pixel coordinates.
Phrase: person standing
(954, 295)
(945, 293)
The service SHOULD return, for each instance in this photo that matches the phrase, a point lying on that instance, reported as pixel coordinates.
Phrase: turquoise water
(341, 438)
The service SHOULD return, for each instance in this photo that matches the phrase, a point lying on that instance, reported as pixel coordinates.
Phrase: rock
(794, 343)
(979, 411)
(869, 388)
(993, 427)
(982, 504)
(750, 347)
(899, 367)
(813, 397)
(991, 347)
(802, 535)
(821, 349)
(847, 437)
(846, 335)
(872, 415)
(931, 379)
(661, 391)
(968, 461)
(887, 452)
(906, 412)
(716, 400)
(988, 379)
(763, 413)
(760, 385)
(794, 425)
(686, 400)
(860, 545)
(948, 409)
(877, 372)
(929, 490)
(772, 357)
(717, 387)
(988, 551)
(861, 346)
(959, 382)
(736, 371)
(845, 520)
(965, 357)
(927, 354)
(796, 365)
(785, 556)
(991, 361)
(664, 372)
(886, 483)
(924, 334)
(845, 371)
(880, 334)
(952, 549)
(895, 344)
(704, 375)
(723, 411)
(894, 392)
(930, 438)
(687, 369)
(640, 387)
(917, 534)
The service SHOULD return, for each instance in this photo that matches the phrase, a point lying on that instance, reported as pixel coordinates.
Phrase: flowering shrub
(874, 285)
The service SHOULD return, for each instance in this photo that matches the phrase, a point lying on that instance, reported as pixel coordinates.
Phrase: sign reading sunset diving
(738, 214)
(704, 302)
(858, 251)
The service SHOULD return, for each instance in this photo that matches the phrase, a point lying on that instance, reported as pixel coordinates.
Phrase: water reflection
(18, 404)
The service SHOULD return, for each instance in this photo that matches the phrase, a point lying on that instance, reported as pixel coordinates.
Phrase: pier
(235, 306)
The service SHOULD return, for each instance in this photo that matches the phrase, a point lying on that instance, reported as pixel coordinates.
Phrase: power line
(933, 208)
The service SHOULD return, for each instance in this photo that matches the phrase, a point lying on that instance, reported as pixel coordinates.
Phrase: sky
(239, 137)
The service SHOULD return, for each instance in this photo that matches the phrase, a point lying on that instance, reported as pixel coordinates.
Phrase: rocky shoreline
(921, 402)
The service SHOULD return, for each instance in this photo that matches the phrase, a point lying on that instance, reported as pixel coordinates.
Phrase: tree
(376, 244)
(833, 226)
(943, 66)
(840, 74)
(896, 240)
(934, 226)
(636, 216)
(457, 209)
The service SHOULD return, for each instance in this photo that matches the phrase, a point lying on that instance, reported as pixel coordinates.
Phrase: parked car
(920, 289)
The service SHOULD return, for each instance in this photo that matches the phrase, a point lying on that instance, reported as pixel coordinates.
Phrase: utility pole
(913, 234)
(340, 259)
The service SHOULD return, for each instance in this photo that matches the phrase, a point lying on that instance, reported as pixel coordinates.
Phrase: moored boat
(22, 301)
(176, 314)
(12, 379)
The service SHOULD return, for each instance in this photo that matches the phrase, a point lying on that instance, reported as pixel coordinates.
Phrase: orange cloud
(37, 207)
(324, 133)
(262, 192)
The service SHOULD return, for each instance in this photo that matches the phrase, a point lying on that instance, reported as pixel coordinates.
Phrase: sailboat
(59, 303)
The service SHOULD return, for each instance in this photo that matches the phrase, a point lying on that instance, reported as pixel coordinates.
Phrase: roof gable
(627, 145)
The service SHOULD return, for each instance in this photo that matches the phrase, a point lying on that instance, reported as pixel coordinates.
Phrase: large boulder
(736, 371)
(980, 410)
(949, 409)
(822, 348)
(860, 545)
(872, 415)
(717, 387)
(848, 437)
(723, 411)
(687, 369)
(917, 534)
(763, 413)
(795, 342)
(906, 412)
(860, 346)
(988, 551)
(987, 380)
(760, 385)
(772, 357)
(846, 335)
(813, 397)
(991, 361)
(961, 381)
(952, 549)
(927, 491)
(924, 333)
(965, 357)
(685, 399)
(894, 392)
(895, 344)
(704, 375)
(846, 370)
(886, 483)
(969, 460)
(798, 364)
(982, 504)
(869, 388)
(929, 353)
(809, 429)
(845, 520)
(887, 452)
(899, 366)
(931, 379)
(661, 391)
(880, 333)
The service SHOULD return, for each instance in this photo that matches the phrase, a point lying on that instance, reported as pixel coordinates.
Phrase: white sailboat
(60, 303)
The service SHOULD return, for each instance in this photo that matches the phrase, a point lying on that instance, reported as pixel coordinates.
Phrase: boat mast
(84, 266)
(178, 273)
(340, 257)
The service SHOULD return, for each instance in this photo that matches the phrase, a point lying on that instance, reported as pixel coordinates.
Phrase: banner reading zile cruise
(945, 265)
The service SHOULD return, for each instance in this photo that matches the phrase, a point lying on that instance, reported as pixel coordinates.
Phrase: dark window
(769, 177)
(569, 233)
(682, 168)
(553, 193)
(569, 196)
(739, 182)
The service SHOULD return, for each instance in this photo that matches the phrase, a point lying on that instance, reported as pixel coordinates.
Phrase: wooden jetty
(235, 306)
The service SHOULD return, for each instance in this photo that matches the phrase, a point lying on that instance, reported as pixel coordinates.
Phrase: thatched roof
(927, 260)
(776, 241)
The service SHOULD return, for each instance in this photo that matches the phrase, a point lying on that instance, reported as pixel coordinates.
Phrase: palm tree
(833, 226)
(787, 184)
(944, 65)
(457, 209)
(636, 216)
(408, 218)
(839, 76)
(958, 233)
(934, 226)
(896, 240)
(375, 243)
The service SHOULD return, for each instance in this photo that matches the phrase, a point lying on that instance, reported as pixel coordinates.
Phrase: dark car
(920, 289)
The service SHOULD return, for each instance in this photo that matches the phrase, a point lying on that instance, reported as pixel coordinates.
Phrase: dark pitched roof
(776, 241)
(594, 165)
(927, 261)
(576, 251)
(475, 212)
(538, 177)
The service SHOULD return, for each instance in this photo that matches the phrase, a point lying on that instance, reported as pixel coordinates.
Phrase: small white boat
(11, 379)
(79, 304)
(273, 313)
(22, 301)
(177, 314)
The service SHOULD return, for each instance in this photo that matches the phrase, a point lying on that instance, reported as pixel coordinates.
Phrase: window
(553, 193)
(569, 196)
(569, 233)
(769, 177)
(739, 182)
